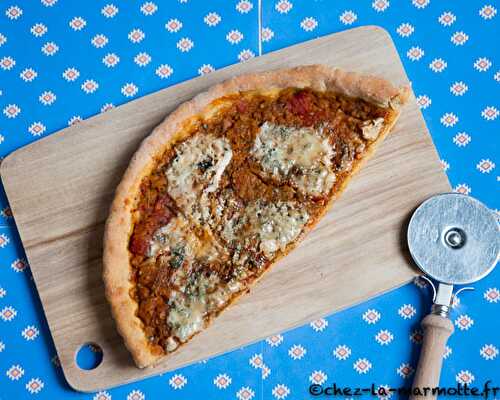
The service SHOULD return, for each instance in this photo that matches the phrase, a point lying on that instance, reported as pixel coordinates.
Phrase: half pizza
(225, 186)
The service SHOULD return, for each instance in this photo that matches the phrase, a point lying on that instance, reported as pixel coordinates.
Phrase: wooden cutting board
(60, 189)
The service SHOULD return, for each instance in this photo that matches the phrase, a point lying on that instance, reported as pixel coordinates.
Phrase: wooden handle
(437, 330)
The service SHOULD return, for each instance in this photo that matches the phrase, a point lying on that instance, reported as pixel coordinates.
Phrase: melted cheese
(371, 128)
(169, 236)
(196, 171)
(195, 294)
(185, 319)
(177, 234)
(171, 344)
(199, 296)
(300, 155)
(219, 297)
(274, 225)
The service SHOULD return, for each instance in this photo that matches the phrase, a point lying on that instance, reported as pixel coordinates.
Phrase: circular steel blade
(454, 238)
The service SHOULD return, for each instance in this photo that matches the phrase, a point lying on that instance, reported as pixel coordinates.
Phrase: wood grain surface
(60, 188)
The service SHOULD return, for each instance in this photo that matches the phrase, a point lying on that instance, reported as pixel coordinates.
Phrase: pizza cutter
(454, 239)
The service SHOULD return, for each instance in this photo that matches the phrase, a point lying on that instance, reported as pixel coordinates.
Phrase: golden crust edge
(118, 224)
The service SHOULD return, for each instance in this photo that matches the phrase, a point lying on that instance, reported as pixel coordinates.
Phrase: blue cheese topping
(268, 226)
(273, 225)
(371, 128)
(177, 238)
(194, 295)
(199, 295)
(186, 317)
(300, 155)
(196, 171)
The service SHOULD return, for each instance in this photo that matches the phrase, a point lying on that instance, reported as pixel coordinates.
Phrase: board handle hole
(89, 356)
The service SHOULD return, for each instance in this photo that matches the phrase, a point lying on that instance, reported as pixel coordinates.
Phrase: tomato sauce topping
(340, 120)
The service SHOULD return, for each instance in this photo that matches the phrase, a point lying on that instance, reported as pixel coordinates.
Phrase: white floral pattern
(297, 352)
(462, 139)
(362, 366)
(185, 44)
(30, 332)
(342, 352)
(415, 53)
(222, 381)
(438, 65)
(28, 74)
(164, 71)
(482, 64)
(459, 38)
(489, 352)
(212, 19)
(384, 337)
(77, 23)
(15, 372)
(371, 316)
(34, 385)
(309, 24)
(149, 8)
(348, 17)
(464, 322)
(50, 48)
(407, 311)
(89, 86)
(4, 240)
(405, 30)
(38, 30)
(280, 392)
(449, 120)
(234, 37)
(447, 18)
(136, 395)
(177, 381)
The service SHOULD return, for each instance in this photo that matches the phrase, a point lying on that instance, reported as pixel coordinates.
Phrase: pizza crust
(116, 265)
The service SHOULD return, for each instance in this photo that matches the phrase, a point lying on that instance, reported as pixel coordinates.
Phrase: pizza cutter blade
(454, 239)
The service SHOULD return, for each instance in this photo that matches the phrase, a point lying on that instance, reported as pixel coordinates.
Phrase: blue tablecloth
(63, 61)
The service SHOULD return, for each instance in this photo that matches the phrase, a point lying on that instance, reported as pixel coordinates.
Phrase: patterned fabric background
(63, 61)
